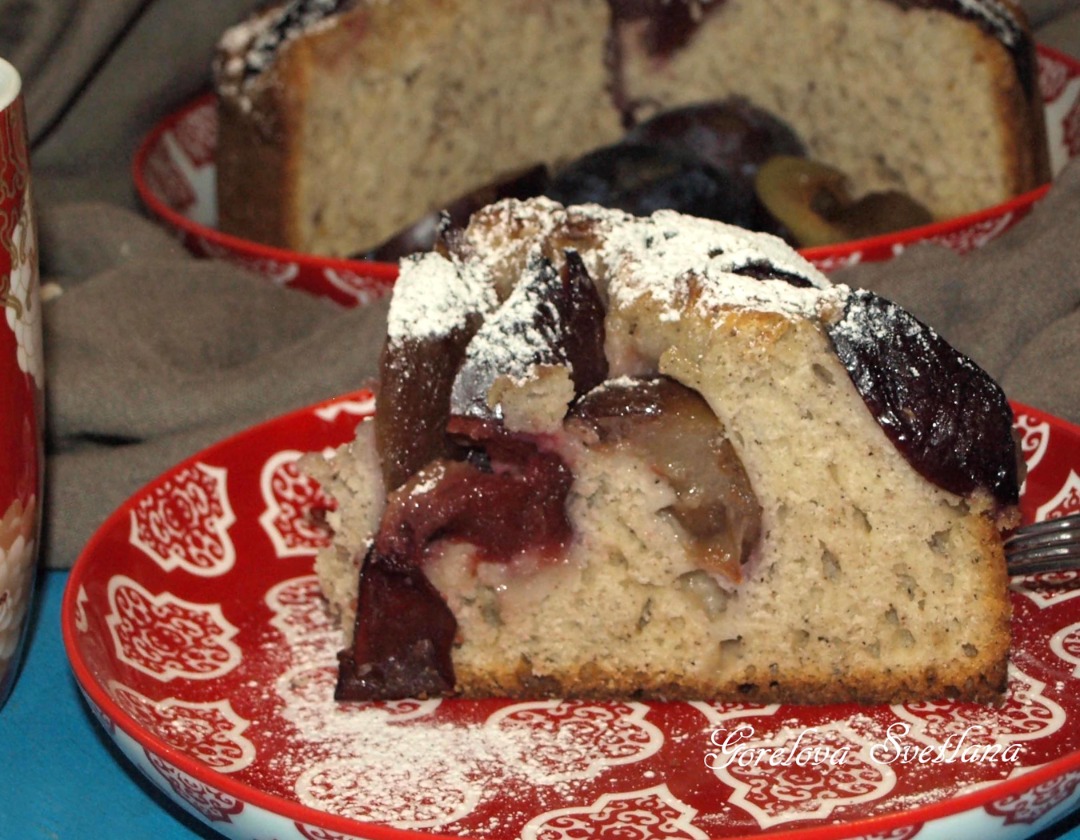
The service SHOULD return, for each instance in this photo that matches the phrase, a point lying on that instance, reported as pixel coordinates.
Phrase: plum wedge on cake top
(664, 457)
(345, 124)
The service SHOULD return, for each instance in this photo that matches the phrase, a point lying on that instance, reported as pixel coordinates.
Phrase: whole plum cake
(622, 456)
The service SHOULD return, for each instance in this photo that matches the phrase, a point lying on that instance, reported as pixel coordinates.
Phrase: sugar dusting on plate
(499, 768)
(409, 763)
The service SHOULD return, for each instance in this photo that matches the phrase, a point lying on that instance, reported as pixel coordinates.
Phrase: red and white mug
(22, 382)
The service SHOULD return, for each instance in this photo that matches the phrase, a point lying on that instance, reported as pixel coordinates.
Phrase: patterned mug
(21, 382)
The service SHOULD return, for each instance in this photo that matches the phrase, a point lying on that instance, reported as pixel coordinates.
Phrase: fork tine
(1039, 552)
(1025, 541)
(1051, 545)
(1039, 530)
(1047, 563)
(1067, 564)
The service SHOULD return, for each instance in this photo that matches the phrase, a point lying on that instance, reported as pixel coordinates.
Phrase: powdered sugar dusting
(508, 222)
(681, 263)
(249, 48)
(523, 333)
(659, 256)
(995, 17)
(434, 295)
(429, 764)
(495, 768)
(401, 765)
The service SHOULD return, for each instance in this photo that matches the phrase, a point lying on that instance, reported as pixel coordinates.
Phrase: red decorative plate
(196, 633)
(174, 175)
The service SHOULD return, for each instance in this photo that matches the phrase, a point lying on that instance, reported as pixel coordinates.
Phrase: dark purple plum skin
(569, 316)
(730, 134)
(944, 413)
(511, 499)
(733, 136)
(642, 178)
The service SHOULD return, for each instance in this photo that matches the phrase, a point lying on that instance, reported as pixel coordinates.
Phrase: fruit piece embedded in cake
(344, 122)
(617, 456)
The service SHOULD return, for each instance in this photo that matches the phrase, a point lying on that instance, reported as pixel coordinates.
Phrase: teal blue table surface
(60, 777)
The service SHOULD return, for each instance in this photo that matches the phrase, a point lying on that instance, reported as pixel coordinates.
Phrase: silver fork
(1049, 546)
